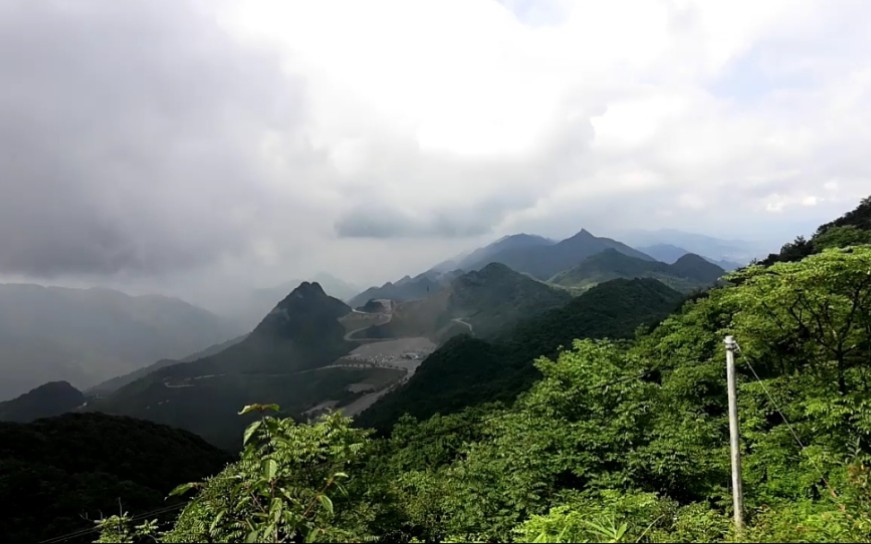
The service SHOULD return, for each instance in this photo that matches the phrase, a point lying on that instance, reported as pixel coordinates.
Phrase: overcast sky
(188, 146)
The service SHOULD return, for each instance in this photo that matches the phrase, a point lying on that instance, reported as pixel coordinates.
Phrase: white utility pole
(737, 493)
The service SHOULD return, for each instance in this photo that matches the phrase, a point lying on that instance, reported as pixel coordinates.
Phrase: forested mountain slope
(59, 474)
(50, 399)
(482, 302)
(407, 288)
(690, 272)
(302, 333)
(467, 371)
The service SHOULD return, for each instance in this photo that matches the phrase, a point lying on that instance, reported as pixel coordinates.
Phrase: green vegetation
(688, 274)
(467, 371)
(853, 228)
(616, 441)
(491, 300)
(57, 474)
(496, 297)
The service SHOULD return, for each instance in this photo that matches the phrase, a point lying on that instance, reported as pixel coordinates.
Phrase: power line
(138, 517)
(789, 426)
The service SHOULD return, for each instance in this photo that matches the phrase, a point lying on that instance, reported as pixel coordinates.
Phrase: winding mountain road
(349, 336)
(462, 321)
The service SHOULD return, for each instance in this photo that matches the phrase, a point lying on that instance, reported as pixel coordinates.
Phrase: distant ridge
(467, 371)
(542, 258)
(85, 336)
(530, 254)
(688, 273)
(300, 334)
(47, 400)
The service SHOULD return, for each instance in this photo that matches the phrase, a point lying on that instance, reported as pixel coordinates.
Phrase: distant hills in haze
(727, 253)
(248, 306)
(481, 301)
(544, 258)
(85, 336)
(668, 253)
(50, 399)
(301, 348)
(687, 273)
(407, 288)
(290, 357)
(536, 256)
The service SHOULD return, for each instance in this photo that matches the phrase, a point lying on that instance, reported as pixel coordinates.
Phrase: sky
(192, 147)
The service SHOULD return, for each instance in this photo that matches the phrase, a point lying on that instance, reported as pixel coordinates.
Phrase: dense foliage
(57, 473)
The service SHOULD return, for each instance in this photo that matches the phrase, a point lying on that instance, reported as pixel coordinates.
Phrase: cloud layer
(173, 137)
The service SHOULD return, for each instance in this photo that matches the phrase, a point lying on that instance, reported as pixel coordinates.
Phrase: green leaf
(258, 408)
(326, 503)
(312, 535)
(183, 488)
(216, 521)
(622, 531)
(269, 468)
(249, 432)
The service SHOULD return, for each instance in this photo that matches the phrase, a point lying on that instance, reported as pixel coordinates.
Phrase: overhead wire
(789, 426)
(138, 517)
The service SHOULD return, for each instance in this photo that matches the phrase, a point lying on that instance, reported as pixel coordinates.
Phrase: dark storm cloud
(127, 135)
(385, 222)
(457, 221)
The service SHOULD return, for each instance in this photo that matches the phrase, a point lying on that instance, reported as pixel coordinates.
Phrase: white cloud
(439, 119)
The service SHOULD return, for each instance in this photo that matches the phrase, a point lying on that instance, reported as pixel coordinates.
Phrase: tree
(810, 313)
(282, 489)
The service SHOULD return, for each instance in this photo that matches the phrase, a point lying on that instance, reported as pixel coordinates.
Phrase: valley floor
(402, 354)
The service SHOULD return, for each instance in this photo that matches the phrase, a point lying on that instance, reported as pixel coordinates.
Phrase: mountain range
(720, 251)
(473, 340)
(305, 350)
(669, 254)
(300, 334)
(467, 371)
(534, 255)
(687, 273)
(484, 301)
(85, 336)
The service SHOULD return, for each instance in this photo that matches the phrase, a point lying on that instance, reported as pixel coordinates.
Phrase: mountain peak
(306, 295)
(691, 258)
(49, 399)
(496, 268)
(306, 303)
